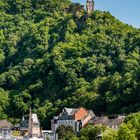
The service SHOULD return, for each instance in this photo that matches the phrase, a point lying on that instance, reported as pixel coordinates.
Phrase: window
(112, 126)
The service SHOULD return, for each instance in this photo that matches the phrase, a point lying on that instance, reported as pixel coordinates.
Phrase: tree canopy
(52, 57)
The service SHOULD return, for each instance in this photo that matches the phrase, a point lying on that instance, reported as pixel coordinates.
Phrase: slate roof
(100, 120)
(107, 121)
(70, 111)
(114, 122)
(68, 114)
(17, 125)
(25, 122)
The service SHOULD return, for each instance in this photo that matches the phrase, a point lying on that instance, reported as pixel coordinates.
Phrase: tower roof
(70, 111)
(35, 118)
(90, 0)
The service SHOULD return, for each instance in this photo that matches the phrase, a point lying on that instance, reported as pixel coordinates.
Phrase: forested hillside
(53, 55)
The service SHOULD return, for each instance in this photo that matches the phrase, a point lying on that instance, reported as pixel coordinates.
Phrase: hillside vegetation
(52, 55)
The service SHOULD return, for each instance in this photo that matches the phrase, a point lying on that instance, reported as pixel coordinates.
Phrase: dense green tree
(133, 120)
(53, 55)
(126, 132)
(4, 102)
(65, 132)
(109, 134)
(90, 132)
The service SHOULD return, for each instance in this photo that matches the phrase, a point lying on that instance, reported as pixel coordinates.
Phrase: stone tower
(34, 125)
(90, 6)
(30, 124)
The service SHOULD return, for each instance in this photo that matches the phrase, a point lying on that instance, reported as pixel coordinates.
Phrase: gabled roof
(115, 122)
(35, 118)
(121, 117)
(90, 112)
(25, 122)
(5, 124)
(75, 114)
(99, 120)
(70, 111)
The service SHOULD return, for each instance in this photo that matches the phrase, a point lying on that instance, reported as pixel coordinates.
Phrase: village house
(105, 121)
(102, 121)
(30, 126)
(74, 117)
(116, 123)
(5, 127)
(24, 126)
(77, 118)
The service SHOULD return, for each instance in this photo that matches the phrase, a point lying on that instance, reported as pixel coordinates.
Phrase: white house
(74, 117)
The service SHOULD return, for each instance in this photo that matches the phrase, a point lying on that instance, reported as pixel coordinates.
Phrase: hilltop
(53, 55)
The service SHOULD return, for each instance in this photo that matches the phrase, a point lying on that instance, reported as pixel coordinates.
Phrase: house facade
(5, 127)
(105, 121)
(30, 126)
(102, 121)
(76, 118)
(116, 123)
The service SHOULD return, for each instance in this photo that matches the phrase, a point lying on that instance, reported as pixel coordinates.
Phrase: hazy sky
(127, 11)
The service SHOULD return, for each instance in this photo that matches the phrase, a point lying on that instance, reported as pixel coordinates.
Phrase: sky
(127, 11)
